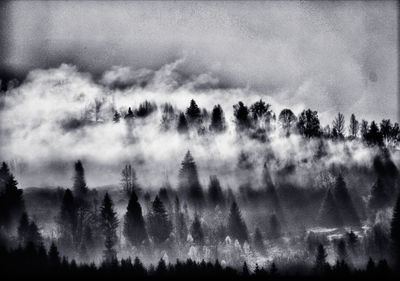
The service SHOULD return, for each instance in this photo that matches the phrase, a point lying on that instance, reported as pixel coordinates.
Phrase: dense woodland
(346, 223)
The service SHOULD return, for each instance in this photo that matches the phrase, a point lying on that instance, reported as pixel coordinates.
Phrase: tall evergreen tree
(395, 233)
(79, 186)
(160, 226)
(134, 226)
(354, 126)
(182, 126)
(215, 194)
(54, 255)
(196, 231)
(109, 225)
(374, 136)
(237, 228)
(68, 219)
(321, 265)
(5, 174)
(329, 215)
(218, 124)
(11, 204)
(189, 180)
(193, 113)
(23, 229)
(345, 203)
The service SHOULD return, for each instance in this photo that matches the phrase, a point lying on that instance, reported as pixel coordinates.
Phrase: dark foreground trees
(134, 226)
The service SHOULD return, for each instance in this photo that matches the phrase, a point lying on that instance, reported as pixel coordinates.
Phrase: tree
(386, 129)
(379, 197)
(5, 174)
(68, 219)
(261, 112)
(259, 241)
(338, 125)
(23, 229)
(11, 204)
(341, 250)
(308, 124)
(374, 136)
(321, 265)
(345, 203)
(182, 127)
(353, 127)
(128, 180)
(217, 120)
(237, 228)
(109, 225)
(160, 226)
(134, 226)
(116, 117)
(130, 114)
(54, 255)
(364, 128)
(193, 113)
(196, 231)
(329, 215)
(287, 119)
(241, 113)
(215, 194)
(395, 233)
(189, 180)
(79, 186)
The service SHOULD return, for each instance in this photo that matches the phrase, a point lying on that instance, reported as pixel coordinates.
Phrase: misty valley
(152, 173)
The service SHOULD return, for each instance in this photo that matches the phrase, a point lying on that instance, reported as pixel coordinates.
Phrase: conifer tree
(68, 219)
(134, 226)
(109, 225)
(329, 215)
(217, 120)
(54, 255)
(189, 181)
(160, 226)
(23, 229)
(193, 113)
(11, 204)
(237, 228)
(79, 186)
(215, 194)
(182, 126)
(5, 174)
(321, 264)
(345, 203)
(196, 231)
(395, 233)
(353, 127)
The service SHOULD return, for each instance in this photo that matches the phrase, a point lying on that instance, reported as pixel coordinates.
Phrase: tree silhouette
(79, 186)
(308, 124)
(128, 179)
(193, 113)
(160, 226)
(182, 124)
(217, 120)
(287, 119)
(68, 219)
(196, 231)
(5, 175)
(338, 125)
(11, 203)
(109, 225)
(374, 136)
(395, 233)
(241, 113)
(353, 127)
(321, 264)
(345, 203)
(189, 180)
(215, 194)
(237, 228)
(23, 229)
(116, 117)
(134, 226)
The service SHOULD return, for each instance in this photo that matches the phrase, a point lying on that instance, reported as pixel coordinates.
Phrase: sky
(328, 56)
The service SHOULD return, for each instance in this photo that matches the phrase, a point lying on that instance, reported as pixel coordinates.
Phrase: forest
(328, 207)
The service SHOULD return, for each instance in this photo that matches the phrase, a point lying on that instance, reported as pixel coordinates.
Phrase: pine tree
(374, 136)
(329, 215)
(68, 219)
(54, 255)
(160, 226)
(189, 180)
(215, 194)
(134, 226)
(182, 126)
(11, 204)
(237, 228)
(345, 203)
(23, 229)
(245, 270)
(5, 174)
(395, 233)
(353, 127)
(321, 264)
(193, 113)
(217, 120)
(109, 225)
(196, 231)
(79, 186)
(34, 235)
(379, 197)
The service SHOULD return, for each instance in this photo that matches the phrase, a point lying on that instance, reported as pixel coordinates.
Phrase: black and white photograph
(199, 139)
